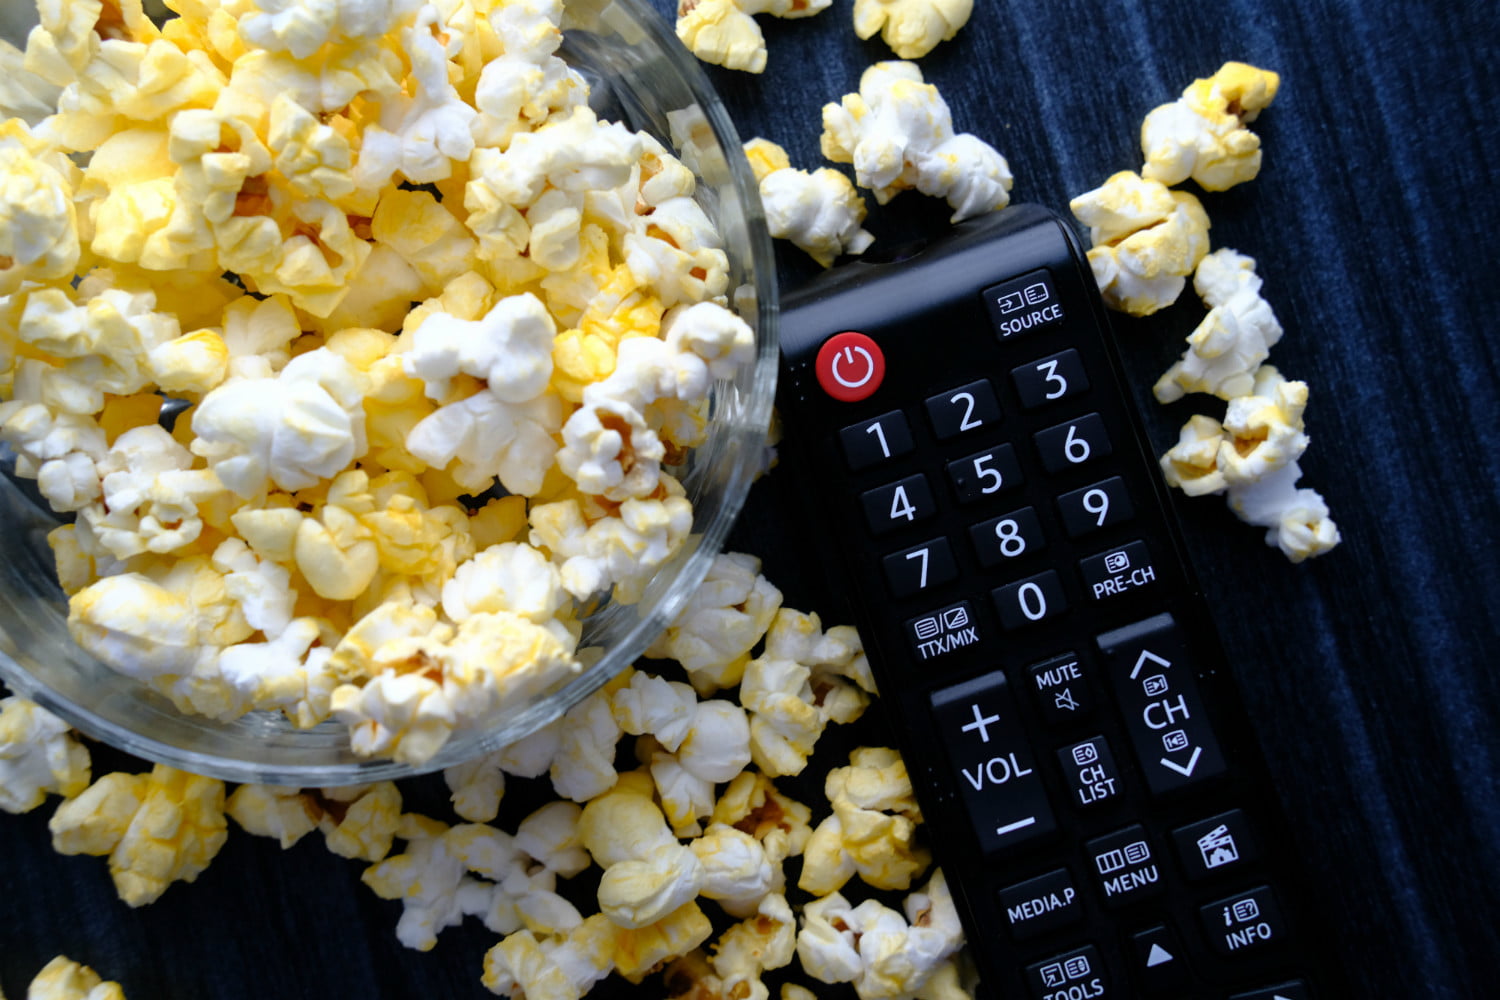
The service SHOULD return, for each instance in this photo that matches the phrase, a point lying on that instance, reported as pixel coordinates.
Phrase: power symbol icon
(850, 366)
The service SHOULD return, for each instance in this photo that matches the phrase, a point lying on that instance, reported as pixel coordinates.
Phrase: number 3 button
(1050, 379)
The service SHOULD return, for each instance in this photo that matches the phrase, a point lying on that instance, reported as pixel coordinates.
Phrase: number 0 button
(1050, 379)
(920, 568)
(1029, 601)
(964, 409)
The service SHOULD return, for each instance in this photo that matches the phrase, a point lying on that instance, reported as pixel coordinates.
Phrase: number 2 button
(916, 569)
(1048, 380)
(967, 408)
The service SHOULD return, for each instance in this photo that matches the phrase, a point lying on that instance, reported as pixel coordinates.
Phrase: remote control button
(1050, 379)
(895, 505)
(1090, 771)
(1157, 959)
(1041, 904)
(1157, 692)
(1007, 537)
(1097, 506)
(1215, 846)
(1079, 973)
(1028, 601)
(1002, 793)
(962, 410)
(1072, 444)
(1023, 305)
(943, 631)
(850, 366)
(1118, 571)
(984, 474)
(1125, 866)
(1061, 692)
(920, 567)
(1248, 921)
(1294, 990)
(875, 440)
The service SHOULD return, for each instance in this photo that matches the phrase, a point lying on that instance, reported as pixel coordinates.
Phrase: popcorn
(820, 212)
(430, 880)
(157, 828)
(751, 804)
(38, 754)
(1232, 340)
(38, 224)
(1252, 457)
(561, 967)
(737, 873)
(357, 821)
(527, 84)
(641, 891)
(898, 133)
(302, 29)
(723, 33)
(1202, 134)
(871, 831)
(64, 979)
(754, 946)
(621, 551)
(722, 621)
(912, 28)
(584, 766)
(640, 951)
(1146, 240)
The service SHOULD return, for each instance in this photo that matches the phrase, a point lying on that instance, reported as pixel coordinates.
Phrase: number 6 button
(1073, 443)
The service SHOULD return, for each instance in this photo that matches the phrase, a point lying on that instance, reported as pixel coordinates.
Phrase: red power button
(850, 366)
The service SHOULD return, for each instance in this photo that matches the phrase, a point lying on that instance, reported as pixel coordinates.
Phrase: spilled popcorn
(436, 336)
(820, 212)
(64, 979)
(724, 33)
(1146, 240)
(912, 28)
(897, 131)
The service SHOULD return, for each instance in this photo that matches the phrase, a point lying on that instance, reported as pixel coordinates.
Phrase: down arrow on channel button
(1157, 691)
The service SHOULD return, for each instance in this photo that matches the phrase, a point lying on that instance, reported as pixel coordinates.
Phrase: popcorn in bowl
(367, 359)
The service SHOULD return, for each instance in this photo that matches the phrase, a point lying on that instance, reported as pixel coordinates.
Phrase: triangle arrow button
(1160, 955)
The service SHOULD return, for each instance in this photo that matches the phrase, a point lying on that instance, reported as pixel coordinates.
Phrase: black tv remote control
(982, 492)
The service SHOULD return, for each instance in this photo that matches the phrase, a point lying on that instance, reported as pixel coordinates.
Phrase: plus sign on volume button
(996, 773)
(850, 366)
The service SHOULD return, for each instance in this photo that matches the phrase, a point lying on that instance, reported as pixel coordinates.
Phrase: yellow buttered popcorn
(912, 28)
(1202, 134)
(723, 32)
(64, 979)
(1146, 240)
(157, 828)
(38, 755)
(820, 212)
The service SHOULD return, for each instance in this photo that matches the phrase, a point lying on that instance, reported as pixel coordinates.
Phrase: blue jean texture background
(1374, 223)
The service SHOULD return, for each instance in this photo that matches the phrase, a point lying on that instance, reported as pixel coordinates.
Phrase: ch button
(850, 366)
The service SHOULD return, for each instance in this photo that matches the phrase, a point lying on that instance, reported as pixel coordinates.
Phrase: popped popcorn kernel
(64, 979)
(1146, 240)
(157, 828)
(723, 33)
(820, 212)
(912, 28)
(558, 967)
(758, 944)
(1202, 134)
(872, 829)
(1232, 340)
(38, 755)
(897, 131)
(722, 621)
(38, 222)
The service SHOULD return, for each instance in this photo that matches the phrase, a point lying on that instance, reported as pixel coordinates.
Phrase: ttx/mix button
(1003, 795)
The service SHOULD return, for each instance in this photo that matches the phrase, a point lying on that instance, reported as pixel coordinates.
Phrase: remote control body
(981, 492)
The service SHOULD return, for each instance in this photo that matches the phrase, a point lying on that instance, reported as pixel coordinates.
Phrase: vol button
(850, 366)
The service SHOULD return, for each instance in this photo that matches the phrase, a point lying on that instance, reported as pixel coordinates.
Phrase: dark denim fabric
(1374, 223)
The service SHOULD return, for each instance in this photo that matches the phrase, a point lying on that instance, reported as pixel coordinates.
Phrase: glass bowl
(642, 76)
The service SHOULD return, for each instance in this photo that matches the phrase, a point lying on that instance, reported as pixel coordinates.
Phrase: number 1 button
(873, 441)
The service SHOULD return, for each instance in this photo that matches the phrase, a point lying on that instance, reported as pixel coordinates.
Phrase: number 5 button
(1050, 379)
(975, 477)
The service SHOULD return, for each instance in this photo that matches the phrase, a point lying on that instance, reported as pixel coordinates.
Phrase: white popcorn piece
(136, 626)
(301, 29)
(871, 831)
(641, 891)
(431, 881)
(1146, 241)
(1202, 134)
(476, 788)
(38, 755)
(820, 212)
(624, 823)
(648, 704)
(737, 874)
(38, 222)
(558, 967)
(526, 85)
(760, 943)
(357, 821)
(752, 804)
(721, 622)
(622, 551)
(293, 430)
(1232, 340)
(1296, 520)
(912, 28)
(64, 979)
(157, 828)
(584, 766)
(149, 495)
(897, 131)
(1192, 464)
